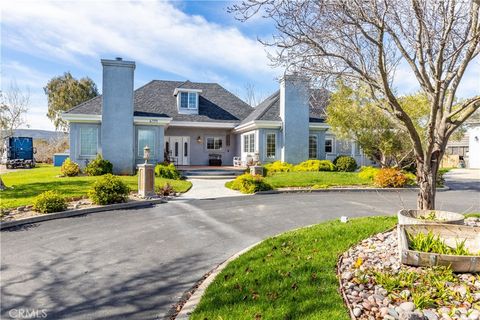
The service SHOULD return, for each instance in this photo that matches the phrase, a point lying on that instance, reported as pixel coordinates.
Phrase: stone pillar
(146, 180)
(256, 170)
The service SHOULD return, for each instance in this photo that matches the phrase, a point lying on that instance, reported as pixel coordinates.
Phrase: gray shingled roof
(156, 99)
(269, 109)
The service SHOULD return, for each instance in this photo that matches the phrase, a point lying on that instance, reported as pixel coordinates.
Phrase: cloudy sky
(179, 40)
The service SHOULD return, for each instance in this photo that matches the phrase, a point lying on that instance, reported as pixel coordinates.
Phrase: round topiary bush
(167, 171)
(345, 163)
(390, 178)
(99, 167)
(108, 189)
(70, 168)
(48, 202)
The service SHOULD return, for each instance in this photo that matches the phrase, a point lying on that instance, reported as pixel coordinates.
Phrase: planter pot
(452, 235)
(440, 217)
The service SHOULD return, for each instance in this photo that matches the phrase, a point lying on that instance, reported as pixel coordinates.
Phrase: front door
(178, 149)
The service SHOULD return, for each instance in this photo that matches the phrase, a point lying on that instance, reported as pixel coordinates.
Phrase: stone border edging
(306, 190)
(78, 212)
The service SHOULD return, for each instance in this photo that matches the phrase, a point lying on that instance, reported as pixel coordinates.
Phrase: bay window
(88, 141)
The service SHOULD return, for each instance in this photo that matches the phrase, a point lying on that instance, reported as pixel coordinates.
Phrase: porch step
(211, 174)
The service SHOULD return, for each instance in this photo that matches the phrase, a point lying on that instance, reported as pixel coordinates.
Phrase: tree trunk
(427, 182)
(2, 185)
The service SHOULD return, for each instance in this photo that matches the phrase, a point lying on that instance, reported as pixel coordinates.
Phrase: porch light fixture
(146, 154)
(199, 139)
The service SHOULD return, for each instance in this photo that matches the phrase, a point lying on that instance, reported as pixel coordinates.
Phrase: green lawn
(472, 215)
(308, 179)
(291, 276)
(28, 183)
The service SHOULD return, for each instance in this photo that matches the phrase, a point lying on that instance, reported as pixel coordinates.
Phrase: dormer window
(187, 100)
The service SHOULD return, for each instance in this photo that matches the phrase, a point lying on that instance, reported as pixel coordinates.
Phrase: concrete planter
(425, 217)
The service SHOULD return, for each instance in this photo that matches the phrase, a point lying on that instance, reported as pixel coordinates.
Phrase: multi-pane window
(328, 145)
(188, 100)
(249, 142)
(271, 145)
(312, 147)
(146, 137)
(214, 143)
(88, 141)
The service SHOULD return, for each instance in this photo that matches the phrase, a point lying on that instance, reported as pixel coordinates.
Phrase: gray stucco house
(191, 122)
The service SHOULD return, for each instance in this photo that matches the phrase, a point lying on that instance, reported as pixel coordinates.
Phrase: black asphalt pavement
(134, 264)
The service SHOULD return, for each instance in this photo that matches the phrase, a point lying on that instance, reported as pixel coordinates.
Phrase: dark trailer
(18, 152)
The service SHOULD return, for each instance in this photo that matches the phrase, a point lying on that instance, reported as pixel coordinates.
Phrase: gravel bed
(367, 300)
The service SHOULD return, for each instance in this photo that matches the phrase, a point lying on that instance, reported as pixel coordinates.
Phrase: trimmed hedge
(108, 189)
(48, 202)
(167, 171)
(315, 165)
(345, 163)
(99, 167)
(277, 166)
(70, 168)
(246, 183)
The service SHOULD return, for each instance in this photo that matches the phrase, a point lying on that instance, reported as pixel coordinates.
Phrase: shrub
(69, 168)
(49, 201)
(315, 165)
(99, 167)
(390, 177)
(167, 171)
(108, 189)
(246, 183)
(277, 166)
(368, 173)
(411, 178)
(165, 190)
(345, 163)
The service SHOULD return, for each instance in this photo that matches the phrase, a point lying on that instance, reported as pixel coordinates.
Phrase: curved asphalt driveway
(134, 264)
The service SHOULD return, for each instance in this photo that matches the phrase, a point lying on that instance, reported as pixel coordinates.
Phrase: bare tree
(252, 96)
(13, 108)
(365, 41)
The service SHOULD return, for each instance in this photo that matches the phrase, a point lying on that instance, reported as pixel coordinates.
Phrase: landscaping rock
(371, 301)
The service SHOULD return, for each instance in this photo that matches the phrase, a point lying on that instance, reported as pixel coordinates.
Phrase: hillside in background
(39, 134)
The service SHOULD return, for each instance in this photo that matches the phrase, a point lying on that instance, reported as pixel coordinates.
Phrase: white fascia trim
(318, 126)
(72, 117)
(259, 124)
(153, 121)
(218, 125)
(177, 90)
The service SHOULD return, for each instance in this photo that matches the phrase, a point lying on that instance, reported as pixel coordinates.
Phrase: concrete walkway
(209, 189)
(463, 179)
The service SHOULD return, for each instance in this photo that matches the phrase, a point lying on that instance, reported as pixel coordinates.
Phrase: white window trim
(188, 92)
(214, 137)
(334, 151)
(316, 138)
(250, 138)
(153, 153)
(266, 144)
(86, 156)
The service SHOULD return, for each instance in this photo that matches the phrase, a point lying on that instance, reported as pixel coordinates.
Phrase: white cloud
(154, 33)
